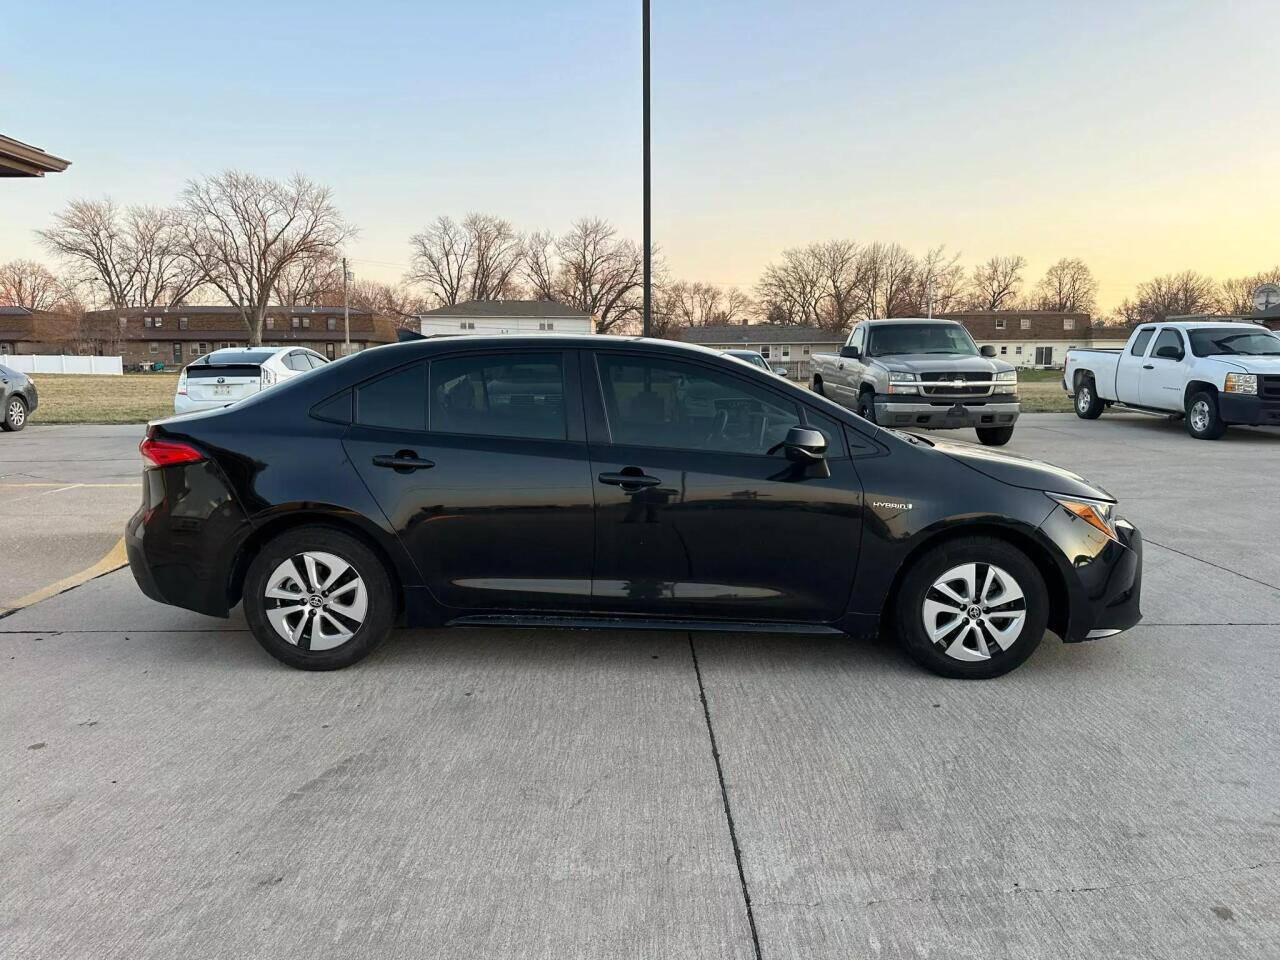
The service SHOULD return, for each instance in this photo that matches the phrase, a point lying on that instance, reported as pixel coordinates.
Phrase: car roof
(1207, 324)
(881, 321)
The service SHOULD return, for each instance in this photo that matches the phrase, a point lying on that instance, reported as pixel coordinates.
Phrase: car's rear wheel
(994, 436)
(1204, 422)
(817, 386)
(1089, 405)
(318, 599)
(972, 608)
(15, 414)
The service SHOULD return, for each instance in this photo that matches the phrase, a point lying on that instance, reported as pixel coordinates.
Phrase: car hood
(1249, 364)
(1020, 471)
(935, 362)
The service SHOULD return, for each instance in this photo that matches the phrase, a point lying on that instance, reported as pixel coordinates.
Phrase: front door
(177, 354)
(697, 513)
(1164, 378)
(479, 462)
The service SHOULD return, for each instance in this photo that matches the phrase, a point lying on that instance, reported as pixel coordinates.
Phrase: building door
(328, 350)
(177, 354)
(1044, 356)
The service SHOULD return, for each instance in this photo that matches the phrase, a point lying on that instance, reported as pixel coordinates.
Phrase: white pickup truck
(1214, 374)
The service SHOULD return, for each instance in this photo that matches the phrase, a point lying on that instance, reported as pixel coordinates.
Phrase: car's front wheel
(1204, 422)
(15, 414)
(867, 406)
(994, 436)
(972, 608)
(318, 599)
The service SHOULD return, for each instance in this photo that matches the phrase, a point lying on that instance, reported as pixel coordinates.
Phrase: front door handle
(1148, 366)
(403, 461)
(624, 479)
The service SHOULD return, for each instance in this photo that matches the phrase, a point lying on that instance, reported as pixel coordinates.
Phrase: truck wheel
(994, 436)
(1203, 420)
(1089, 405)
(867, 406)
(972, 608)
(817, 386)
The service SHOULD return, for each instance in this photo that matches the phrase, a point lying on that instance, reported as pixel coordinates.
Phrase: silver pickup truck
(921, 374)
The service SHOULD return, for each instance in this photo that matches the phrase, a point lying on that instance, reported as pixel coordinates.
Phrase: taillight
(182, 384)
(165, 453)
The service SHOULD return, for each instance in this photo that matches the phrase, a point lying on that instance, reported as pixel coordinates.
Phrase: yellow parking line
(114, 560)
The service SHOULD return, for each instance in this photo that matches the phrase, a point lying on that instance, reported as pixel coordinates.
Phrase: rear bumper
(1248, 410)
(183, 404)
(183, 540)
(905, 411)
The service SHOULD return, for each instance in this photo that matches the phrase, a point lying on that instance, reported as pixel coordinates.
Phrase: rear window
(1141, 340)
(397, 401)
(198, 371)
(223, 357)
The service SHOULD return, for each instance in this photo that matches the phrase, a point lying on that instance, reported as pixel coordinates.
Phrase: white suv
(225, 376)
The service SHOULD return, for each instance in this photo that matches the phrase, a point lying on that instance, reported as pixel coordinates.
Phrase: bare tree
(1175, 294)
(996, 283)
(791, 290)
(938, 284)
(25, 283)
(1067, 286)
(310, 282)
(887, 281)
(134, 256)
(246, 231)
(1237, 292)
(699, 304)
(591, 268)
(396, 301)
(477, 259)
(497, 251)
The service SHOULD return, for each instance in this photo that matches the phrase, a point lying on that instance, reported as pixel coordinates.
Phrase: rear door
(1164, 378)
(222, 382)
(479, 461)
(698, 515)
(1129, 367)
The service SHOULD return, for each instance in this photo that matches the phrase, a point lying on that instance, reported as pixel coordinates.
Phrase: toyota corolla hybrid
(601, 481)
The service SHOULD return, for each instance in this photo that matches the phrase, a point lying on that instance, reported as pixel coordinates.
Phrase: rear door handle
(625, 480)
(404, 461)
(1148, 366)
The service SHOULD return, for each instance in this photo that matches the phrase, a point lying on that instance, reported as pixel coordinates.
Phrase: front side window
(900, 338)
(499, 395)
(1167, 338)
(654, 402)
(397, 401)
(1140, 342)
(1223, 341)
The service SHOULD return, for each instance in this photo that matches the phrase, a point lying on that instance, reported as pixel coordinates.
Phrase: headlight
(1241, 383)
(1099, 514)
(902, 376)
(1007, 375)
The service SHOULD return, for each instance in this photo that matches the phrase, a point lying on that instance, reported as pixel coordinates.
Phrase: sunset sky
(1139, 136)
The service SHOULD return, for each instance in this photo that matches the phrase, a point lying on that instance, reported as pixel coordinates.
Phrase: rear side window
(499, 395)
(1141, 340)
(297, 361)
(397, 401)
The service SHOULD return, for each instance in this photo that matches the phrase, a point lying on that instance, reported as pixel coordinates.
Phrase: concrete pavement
(170, 790)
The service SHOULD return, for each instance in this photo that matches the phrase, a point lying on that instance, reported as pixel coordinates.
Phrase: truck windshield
(897, 338)
(1220, 341)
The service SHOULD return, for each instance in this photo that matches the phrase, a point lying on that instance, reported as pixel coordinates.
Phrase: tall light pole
(346, 310)
(648, 231)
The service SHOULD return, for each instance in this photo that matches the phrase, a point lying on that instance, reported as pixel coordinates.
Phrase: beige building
(782, 344)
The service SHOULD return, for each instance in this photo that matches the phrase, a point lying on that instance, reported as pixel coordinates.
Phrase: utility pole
(346, 311)
(648, 232)
(928, 295)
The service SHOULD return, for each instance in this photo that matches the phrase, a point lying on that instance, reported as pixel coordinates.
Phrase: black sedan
(599, 481)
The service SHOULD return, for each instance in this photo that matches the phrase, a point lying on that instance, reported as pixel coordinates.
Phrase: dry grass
(1043, 395)
(132, 398)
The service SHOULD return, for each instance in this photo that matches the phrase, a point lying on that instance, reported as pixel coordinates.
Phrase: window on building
(1018, 351)
(295, 322)
(195, 349)
(764, 351)
(331, 323)
(147, 321)
(328, 350)
(271, 323)
(497, 395)
(182, 323)
(1026, 323)
(999, 323)
(806, 349)
(159, 322)
(306, 322)
(1004, 351)
(467, 325)
(1068, 323)
(655, 402)
(786, 352)
(153, 348)
(546, 325)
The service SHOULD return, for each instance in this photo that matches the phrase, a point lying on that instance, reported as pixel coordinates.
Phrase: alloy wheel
(974, 611)
(1083, 399)
(316, 600)
(17, 413)
(1200, 416)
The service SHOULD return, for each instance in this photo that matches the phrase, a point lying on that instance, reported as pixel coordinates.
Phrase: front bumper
(32, 395)
(1103, 576)
(911, 411)
(1249, 410)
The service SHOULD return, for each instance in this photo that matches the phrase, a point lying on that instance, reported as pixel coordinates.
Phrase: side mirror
(851, 353)
(988, 351)
(804, 445)
(780, 370)
(1168, 352)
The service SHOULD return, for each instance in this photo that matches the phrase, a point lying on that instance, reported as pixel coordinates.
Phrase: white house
(504, 317)
(787, 345)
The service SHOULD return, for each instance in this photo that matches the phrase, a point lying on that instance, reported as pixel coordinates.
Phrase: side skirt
(638, 623)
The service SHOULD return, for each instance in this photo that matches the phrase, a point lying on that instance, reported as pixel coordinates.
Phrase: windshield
(1222, 341)
(899, 338)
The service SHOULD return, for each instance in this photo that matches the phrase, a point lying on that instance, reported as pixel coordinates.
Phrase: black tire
(15, 414)
(1088, 404)
(380, 611)
(985, 553)
(1204, 422)
(867, 406)
(817, 386)
(994, 436)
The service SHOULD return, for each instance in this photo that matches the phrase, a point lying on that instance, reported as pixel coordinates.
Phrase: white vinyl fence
(37, 363)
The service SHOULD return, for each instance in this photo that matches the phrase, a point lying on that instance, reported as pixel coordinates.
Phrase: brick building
(177, 335)
(1033, 338)
(24, 331)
